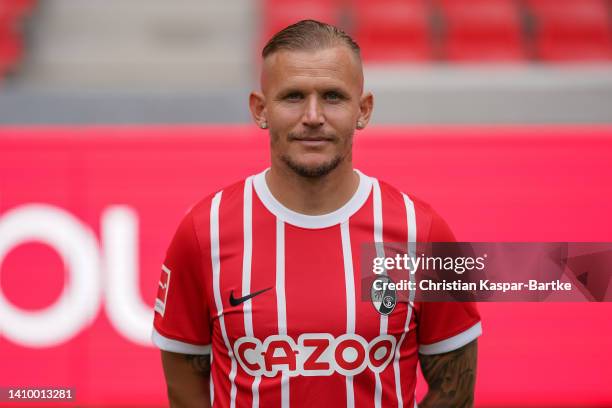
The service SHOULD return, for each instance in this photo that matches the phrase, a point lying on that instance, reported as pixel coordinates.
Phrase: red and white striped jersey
(273, 296)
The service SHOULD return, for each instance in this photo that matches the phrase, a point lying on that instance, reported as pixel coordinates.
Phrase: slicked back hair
(309, 35)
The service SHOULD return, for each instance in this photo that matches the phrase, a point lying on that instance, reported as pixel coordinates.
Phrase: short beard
(312, 172)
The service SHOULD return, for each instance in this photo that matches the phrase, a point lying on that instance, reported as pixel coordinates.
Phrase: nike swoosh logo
(236, 301)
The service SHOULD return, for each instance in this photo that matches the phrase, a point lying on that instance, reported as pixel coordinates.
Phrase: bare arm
(187, 378)
(451, 377)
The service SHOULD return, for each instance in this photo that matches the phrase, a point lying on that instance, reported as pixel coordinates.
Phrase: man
(260, 287)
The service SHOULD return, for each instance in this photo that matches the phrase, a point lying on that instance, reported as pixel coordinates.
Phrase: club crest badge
(383, 298)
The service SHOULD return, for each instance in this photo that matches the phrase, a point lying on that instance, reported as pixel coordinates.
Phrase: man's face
(312, 101)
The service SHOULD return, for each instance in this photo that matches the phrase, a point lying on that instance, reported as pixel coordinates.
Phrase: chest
(297, 282)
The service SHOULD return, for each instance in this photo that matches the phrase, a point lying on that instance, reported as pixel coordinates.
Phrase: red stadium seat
(572, 30)
(482, 30)
(15, 8)
(11, 42)
(10, 49)
(279, 14)
(393, 30)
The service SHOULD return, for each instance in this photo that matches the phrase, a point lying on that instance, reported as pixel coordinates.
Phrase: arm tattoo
(199, 363)
(451, 377)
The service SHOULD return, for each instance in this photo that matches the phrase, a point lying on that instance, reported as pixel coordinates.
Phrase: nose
(313, 112)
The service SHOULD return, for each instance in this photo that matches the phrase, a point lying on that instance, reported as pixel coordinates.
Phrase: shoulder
(198, 218)
(431, 226)
(232, 192)
(392, 193)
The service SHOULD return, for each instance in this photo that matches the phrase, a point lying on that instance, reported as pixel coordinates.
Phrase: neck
(313, 196)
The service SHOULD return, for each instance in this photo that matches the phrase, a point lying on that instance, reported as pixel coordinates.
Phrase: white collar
(312, 221)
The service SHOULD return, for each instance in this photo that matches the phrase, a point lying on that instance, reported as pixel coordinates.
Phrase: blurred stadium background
(504, 107)
(428, 61)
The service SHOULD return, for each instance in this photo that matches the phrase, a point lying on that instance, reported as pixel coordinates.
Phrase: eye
(333, 96)
(293, 96)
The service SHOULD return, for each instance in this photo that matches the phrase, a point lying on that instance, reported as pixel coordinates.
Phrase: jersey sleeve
(182, 322)
(445, 326)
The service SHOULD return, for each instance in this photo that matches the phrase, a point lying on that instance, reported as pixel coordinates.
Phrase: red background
(538, 183)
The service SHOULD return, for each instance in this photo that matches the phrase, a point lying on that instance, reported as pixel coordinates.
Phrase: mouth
(311, 140)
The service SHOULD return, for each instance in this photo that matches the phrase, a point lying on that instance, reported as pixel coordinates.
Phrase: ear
(366, 105)
(257, 105)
